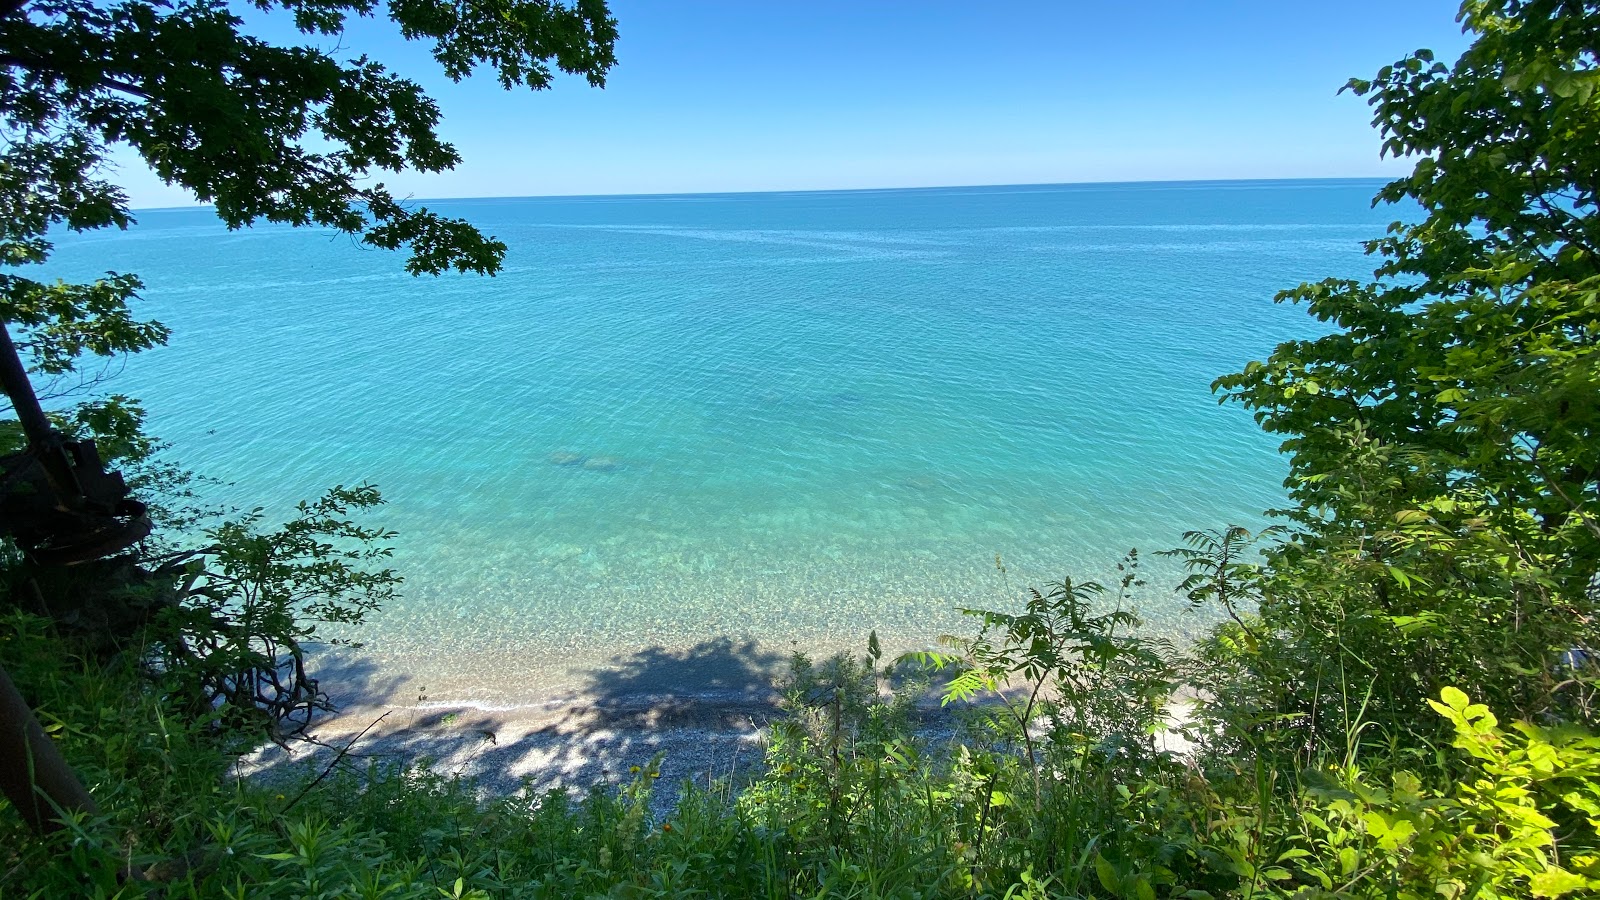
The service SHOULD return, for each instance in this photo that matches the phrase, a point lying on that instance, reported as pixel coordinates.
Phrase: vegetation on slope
(1399, 702)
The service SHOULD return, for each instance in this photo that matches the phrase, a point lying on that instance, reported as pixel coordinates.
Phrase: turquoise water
(791, 417)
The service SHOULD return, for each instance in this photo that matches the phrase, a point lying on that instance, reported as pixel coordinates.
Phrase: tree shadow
(702, 709)
(720, 683)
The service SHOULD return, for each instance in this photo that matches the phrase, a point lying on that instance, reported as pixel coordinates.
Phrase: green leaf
(1107, 875)
(1557, 882)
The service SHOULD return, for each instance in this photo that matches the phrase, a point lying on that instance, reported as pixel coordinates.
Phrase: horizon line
(859, 190)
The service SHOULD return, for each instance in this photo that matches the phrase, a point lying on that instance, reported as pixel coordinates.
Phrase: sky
(778, 95)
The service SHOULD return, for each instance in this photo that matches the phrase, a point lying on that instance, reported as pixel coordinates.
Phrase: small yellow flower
(634, 769)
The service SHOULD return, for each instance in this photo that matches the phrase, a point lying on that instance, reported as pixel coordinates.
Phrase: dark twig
(329, 769)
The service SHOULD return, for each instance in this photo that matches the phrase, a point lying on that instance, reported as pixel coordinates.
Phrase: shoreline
(705, 708)
(511, 677)
(576, 743)
(703, 719)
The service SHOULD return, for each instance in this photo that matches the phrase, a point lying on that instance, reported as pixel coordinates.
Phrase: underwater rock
(566, 458)
(561, 552)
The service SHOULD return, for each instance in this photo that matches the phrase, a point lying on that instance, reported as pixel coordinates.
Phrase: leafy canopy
(285, 134)
(1474, 346)
(1444, 437)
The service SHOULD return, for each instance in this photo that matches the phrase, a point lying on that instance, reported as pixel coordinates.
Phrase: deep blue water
(795, 417)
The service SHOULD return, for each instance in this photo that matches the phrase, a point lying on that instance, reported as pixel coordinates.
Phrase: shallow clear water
(792, 417)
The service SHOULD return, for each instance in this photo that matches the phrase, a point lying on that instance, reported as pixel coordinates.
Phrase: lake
(788, 418)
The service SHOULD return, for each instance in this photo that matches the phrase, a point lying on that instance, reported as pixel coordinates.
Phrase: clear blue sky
(790, 95)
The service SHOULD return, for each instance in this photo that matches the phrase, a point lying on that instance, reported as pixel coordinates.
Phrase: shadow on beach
(704, 708)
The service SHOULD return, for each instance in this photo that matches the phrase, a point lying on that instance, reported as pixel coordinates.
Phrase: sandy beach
(704, 709)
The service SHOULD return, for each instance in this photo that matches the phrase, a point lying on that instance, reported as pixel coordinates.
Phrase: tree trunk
(33, 774)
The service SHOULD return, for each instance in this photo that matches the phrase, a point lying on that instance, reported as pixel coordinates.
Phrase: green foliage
(1524, 821)
(245, 607)
(1472, 350)
(1444, 469)
(866, 798)
(1221, 569)
(861, 797)
(148, 767)
(115, 423)
(1442, 437)
(283, 133)
(288, 134)
(1084, 672)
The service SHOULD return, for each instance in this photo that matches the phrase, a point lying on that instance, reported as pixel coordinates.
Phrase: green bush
(1524, 821)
